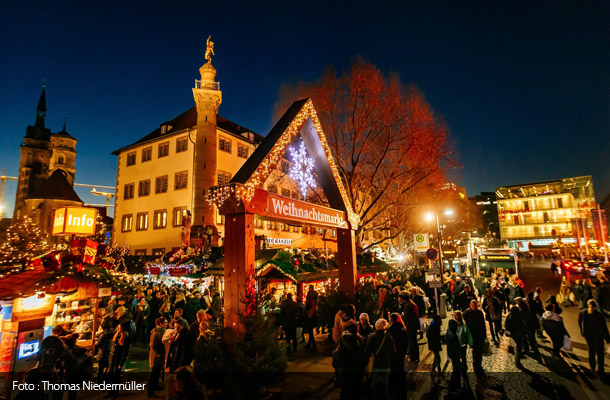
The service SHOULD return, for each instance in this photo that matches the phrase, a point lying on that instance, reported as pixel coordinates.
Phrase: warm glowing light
(430, 217)
(448, 212)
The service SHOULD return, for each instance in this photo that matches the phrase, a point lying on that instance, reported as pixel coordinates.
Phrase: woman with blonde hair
(594, 329)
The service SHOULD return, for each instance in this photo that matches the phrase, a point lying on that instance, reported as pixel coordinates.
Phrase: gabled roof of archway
(301, 117)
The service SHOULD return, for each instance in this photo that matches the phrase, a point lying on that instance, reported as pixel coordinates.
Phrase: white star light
(302, 169)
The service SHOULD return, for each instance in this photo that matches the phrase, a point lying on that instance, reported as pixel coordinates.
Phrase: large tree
(391, 149)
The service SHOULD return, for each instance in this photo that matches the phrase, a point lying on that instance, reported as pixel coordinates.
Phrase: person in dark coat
(181, 348)
(104, 347)
(594, 329)
(518, 329)
(458, 287)
(453, 353)
(411, 321)
(465, 298)
(289, 313)
(380, 345)
(349, 360)
(311, 315)
(434, 342)
(398, 331)
(187, 386)
(156, 357)
(475, 320)
(118, 355)
(531, 321)
(553, 325)
(493, 314)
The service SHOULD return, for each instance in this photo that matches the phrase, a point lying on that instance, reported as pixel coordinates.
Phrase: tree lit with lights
(22, 239)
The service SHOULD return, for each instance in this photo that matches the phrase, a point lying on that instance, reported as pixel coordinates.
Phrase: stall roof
(21, 283)
(270, 271)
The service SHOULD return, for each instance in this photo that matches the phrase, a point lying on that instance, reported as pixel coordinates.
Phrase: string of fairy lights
(244, 192)
(21, 240)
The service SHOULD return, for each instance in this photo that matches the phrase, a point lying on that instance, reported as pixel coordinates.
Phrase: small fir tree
(22, 239)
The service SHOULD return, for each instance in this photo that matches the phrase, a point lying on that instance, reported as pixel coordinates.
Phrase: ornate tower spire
(41, 110)
(207, 97)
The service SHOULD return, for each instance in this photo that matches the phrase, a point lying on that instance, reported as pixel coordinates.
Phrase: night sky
(524, 88)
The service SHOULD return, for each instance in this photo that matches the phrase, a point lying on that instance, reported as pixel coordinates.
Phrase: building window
(286, 227)
(242, 151)
(182, 144)
(160, 221)
(285, 192)
(158, 251)
(258, 223)
(220, 219)
(180, 180)
(139, 252)
(163, 149)
(294, 195)
(60, 160)
(131, 158)
(224, 144)
(142, 222)
(161, 184)
(128, 191)
(177, 215)
(147, 154)
(272, 189)
(271, 225)
(223, 178)
(559, 202)
(126, 223)
(144, 188)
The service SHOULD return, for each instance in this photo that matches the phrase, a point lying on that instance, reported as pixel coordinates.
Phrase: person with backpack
(349, 360)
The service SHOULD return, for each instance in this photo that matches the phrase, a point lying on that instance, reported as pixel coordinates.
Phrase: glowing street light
(430, 217)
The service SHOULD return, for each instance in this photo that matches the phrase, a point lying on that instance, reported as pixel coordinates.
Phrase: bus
(492, 261)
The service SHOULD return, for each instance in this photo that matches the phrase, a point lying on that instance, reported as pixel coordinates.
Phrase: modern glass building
(541, 213)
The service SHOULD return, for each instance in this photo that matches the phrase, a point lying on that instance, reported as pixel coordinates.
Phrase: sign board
(420, 242)
(285, 208)
(431, 254)
(33, 307)
(279, 241)
(450, 252)
(104, 292)
(74, 221)
(435, 284)
(433, 271)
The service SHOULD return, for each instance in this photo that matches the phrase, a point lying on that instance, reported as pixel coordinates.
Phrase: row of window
(182, 145)
(161, 185)
(159, 220)
(162, 151)
(224, 144)
(285, 192)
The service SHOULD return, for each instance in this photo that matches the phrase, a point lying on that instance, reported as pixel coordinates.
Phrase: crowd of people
(371, 353)
(372, 360)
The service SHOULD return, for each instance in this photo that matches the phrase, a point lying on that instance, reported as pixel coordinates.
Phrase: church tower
(35, 157)
(42, 154)
(208, 97)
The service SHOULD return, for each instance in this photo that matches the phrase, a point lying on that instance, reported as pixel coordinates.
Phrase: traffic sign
(553, 232)
(433, 271)
(431, 253)
(450, 252)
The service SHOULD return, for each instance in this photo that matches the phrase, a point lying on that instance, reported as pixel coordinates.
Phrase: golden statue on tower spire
(209, 50)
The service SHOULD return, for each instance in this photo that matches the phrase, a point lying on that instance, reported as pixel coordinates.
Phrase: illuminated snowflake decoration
(302, 169)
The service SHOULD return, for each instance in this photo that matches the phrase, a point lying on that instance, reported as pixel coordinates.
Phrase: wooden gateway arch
(244, 197)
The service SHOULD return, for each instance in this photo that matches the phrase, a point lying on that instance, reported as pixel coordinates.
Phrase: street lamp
(430, 217)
